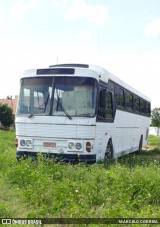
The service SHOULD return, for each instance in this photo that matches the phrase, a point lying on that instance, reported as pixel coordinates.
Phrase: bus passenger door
(106, 107)
(105, 119)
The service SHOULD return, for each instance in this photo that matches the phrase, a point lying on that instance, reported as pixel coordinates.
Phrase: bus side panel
(125, 133)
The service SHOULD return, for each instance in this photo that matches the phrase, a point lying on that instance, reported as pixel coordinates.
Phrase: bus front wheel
(108, 153)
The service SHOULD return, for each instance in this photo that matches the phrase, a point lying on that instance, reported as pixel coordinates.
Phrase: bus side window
(102, 99)
(129, 100)
(142, 106)
(108, 105)
(136, 104)
(105, 111)
(148, 111)
(117, 95)
(121, 97)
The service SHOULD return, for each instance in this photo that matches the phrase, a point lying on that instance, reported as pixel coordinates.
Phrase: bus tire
(140, 145)
(108, 153)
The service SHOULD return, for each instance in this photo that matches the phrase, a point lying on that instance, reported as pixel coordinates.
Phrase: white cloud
(76, 9)
(140, 70)
(2, 23)
(21, 8)
(10, 65)
(60, 4)
(84, 35)
(153, 28)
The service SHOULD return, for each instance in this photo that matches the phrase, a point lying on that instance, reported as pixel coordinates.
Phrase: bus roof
(101, 74)
(106, 75)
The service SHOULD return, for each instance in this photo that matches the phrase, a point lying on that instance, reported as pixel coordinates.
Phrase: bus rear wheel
(140, 145)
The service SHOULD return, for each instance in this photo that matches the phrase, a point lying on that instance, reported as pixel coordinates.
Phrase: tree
(155, 121)
(6, 115)
(9, 97)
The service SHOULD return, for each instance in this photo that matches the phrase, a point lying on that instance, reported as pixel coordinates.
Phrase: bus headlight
(75, 146)
(71, 145)
(26, 143)
(29, 143)
(78, 146)
(22, 143)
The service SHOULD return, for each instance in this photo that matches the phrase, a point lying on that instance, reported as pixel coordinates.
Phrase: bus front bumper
(90, 158)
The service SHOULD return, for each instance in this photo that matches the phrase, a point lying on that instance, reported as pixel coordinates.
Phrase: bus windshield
(58, 96)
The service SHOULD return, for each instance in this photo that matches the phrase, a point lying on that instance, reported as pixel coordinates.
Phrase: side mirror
(102, 98)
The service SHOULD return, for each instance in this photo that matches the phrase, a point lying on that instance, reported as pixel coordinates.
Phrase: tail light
(88, 147)
(16, 142)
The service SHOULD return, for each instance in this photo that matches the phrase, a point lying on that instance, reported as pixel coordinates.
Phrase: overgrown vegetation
(129, 187)
(155, 120)
(6, 115)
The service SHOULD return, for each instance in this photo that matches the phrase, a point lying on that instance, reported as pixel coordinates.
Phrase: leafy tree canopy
(6, 115)
(155, 121)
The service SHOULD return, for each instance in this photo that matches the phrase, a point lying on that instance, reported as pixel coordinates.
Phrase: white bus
(79, 112)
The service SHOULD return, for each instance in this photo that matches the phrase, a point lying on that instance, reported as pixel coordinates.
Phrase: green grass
(154, 140)
(129, 187)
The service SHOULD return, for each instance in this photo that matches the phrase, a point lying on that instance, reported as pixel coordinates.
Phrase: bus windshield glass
(58, 96)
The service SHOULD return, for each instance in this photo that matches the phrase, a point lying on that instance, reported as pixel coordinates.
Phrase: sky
(123, 36)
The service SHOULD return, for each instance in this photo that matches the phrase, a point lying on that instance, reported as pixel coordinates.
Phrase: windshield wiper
(43, 104)
(67, 114)
(63, 109)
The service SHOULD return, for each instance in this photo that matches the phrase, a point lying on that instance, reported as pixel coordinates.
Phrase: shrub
(6, 115)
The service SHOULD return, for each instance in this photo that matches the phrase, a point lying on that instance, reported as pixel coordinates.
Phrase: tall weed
(129, 188)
